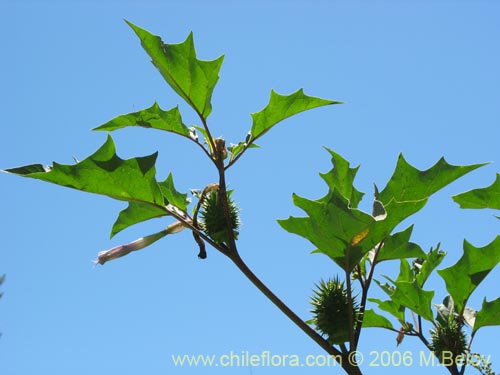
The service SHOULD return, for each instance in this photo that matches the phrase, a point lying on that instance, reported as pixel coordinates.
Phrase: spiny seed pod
(331, 311)
(448, 338)
(213, 220)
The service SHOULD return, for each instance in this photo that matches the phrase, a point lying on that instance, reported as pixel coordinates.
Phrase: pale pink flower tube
(141, 243)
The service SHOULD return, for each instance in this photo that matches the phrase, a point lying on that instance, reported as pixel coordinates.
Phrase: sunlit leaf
(464, 276)
(398, 246)
(409, 184)
(405, 273)
(372, 319)
(489, 315)
(412, 296)
(391, 307)
(194, 80)
(336, 228)
(488, 197)
(341, 177)
(104, 173)
(153, 117)
(281, 107)
(429, 263)
(173, 196)
(332, 226)
(136, 212)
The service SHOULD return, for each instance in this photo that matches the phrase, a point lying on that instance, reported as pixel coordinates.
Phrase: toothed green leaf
(464, 276)
(488, 197)
(372, 319)
(153, 117)
(281, 107)
(398, 246)
(489, 315)
(341, 177)
(136, 213)
(194, 80)
(104, 173)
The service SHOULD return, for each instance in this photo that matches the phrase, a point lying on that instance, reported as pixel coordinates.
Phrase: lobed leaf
(104, 173)
(281, 107)
(464, 276)
(172, 196)
(408, 183)
(153, 117)
(333, 227)
(412, 296)
(194, 80)
(342, 232)
(430, 261)
(489, 315)
(341, 177)
(138, 212)
(488, 197)
(372, 319)
(135, 213)
(395, 309)
(398, 246)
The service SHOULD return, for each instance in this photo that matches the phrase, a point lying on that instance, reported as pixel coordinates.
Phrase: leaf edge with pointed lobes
(134, 179)
(150, 118)
(405, 175)
(475, 263)
(489, 315)
(169, 59)
(481, 197)
(276, 110)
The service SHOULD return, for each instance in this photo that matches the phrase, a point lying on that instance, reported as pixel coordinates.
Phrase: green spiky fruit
(331, 311)
(448, 337)
(213, 220)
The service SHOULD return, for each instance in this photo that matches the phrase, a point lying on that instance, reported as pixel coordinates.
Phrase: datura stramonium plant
(331, 311)
(213, 219)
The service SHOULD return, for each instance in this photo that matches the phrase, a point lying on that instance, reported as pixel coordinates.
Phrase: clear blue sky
(420, 78)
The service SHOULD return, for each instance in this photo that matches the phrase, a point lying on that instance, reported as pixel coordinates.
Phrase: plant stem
(364, 293)
(342, 358)
(352, 343)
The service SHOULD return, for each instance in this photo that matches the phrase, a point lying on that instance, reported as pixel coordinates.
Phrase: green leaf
(104, 173)
(412, 296)
(281, 107)
(153, 117)
(409, 184)
(398, 246)
(489, 315)
(194, 80)
(405, 273)
(136, 213)
(372, 319)
(488, 197)
(391, 307)
(429, 263)
(341, 177)
(406, 293)
(342, 232)
(139, 212)
(464, 276)
(333, 227)
(172, 196)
